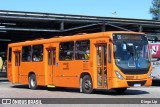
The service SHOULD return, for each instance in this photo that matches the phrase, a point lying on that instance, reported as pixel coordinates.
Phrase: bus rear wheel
(32, 81)
(120, 90)
(87, 86)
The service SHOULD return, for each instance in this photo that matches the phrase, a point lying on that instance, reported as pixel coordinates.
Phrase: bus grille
(131, 83)
(134, 72)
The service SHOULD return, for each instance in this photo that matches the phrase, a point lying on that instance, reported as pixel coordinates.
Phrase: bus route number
(65, 66)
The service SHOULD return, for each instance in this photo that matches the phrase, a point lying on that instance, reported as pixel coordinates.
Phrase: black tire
(87, 85)
(33, 82)
(120, 90)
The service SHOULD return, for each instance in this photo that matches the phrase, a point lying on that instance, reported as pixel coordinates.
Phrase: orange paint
(66, 73)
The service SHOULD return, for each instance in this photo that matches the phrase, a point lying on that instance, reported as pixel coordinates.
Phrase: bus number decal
(65, 66)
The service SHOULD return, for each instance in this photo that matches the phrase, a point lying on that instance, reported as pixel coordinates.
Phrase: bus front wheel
(32, 82)
(87, 86)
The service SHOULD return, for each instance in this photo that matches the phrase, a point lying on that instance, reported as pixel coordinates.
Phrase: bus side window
(10, 55)
(26, 53)
(37, 54)
(66, 51)
(52, 57)
(49, 57)
(82, 50)
(109, 53)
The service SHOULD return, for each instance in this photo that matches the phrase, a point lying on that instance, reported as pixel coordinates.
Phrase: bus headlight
(119, 75)
(150, 75)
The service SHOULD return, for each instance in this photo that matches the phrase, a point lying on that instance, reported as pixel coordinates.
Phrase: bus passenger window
(66, 51)
(37, 54)
(10, 55)
(26, 53)
(82, 50)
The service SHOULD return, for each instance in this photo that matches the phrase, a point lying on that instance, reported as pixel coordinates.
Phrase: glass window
(10, 55)
(51, 57)
(17, 58)
(54, 56)
(82, 50)
(37, 54)
(105, 55)
(132, 55)
(109, 53)
(66, 51)
(26, 53)
(99, 55)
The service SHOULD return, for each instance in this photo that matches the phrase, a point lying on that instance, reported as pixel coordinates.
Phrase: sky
(137, 9)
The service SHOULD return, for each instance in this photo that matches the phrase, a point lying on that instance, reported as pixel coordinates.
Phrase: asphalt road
(8, 90)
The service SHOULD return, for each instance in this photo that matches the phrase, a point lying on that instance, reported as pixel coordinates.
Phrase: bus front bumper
(117, 83)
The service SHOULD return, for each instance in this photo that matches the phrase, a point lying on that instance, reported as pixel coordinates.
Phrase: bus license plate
(137, 85)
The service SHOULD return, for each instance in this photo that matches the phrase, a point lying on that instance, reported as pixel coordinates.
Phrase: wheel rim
(33, 82)
(87, 84)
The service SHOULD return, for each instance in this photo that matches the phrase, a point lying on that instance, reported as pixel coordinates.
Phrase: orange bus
(107, 60)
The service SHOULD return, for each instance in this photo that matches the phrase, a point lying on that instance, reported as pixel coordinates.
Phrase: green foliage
(155, 9)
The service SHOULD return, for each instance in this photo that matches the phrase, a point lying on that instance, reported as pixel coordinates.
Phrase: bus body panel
(16, 68)
(9, 66)
(9, 72)
(67, 73)
(47, 69)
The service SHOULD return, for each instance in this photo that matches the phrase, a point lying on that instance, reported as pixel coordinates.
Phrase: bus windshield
(131, 51)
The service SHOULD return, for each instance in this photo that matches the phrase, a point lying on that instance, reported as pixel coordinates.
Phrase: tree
(155, 9)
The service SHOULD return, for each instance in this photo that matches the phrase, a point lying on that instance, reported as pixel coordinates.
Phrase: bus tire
(87, 86)
(120, 90)
(32, 81)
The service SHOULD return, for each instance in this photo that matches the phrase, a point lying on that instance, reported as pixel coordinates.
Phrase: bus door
(101, 56)
(17, 66)
(51, 64)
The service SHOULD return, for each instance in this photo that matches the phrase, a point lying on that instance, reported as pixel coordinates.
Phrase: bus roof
(71, 38)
